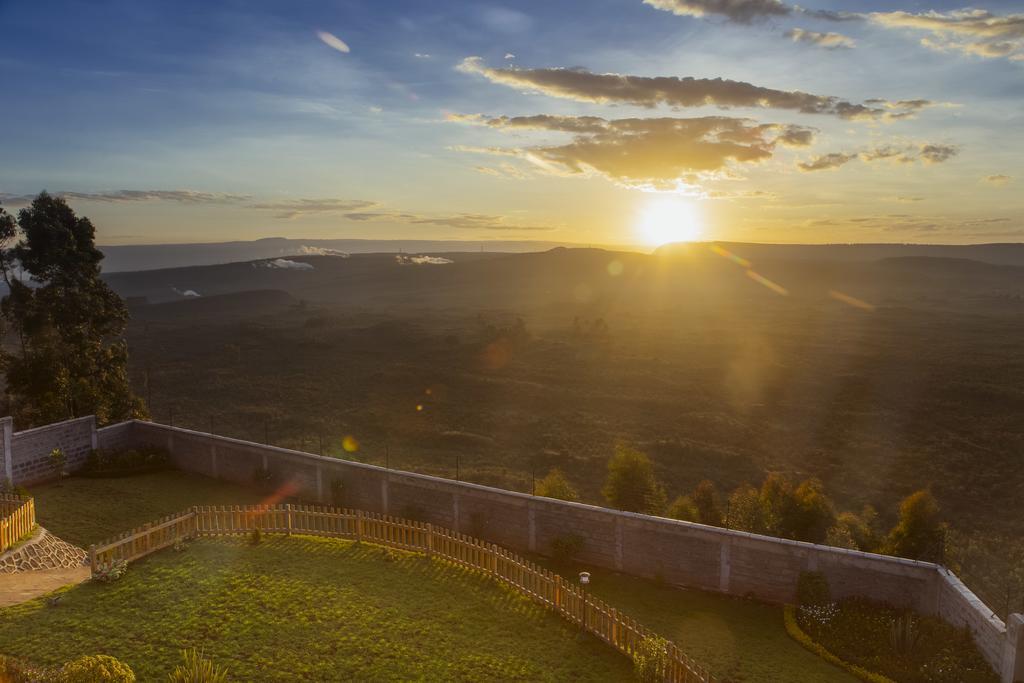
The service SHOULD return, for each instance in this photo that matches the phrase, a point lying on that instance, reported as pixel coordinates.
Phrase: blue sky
(266, 130)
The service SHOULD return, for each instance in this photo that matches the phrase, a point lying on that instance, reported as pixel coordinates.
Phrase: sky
(588, 121)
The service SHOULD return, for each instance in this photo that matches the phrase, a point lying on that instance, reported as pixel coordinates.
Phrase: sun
(669, 219)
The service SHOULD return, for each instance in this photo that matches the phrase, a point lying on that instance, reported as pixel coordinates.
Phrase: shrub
(337, 493)
(904, 634)
(682, 508)
(631, 484)
(566, 547)
(96, 669)
(555, 485)
(650, 661)
(15, 671)
(58, 461)
(746, 512)
(110, 572)
(812, 590)
(705, 499)
(263, 477)
(114, 461)
(197, 669)
(255, 537)
(920, 533)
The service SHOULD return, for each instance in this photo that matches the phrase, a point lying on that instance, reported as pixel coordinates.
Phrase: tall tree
(631, 484)
(69, 358)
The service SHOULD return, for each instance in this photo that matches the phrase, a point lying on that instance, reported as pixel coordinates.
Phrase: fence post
(359, 526)
(288, 518)
(430, 539)
(558, 592)
(92, 558)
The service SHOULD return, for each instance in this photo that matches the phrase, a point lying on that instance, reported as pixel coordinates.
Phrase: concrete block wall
(680, 553)
(27, 458)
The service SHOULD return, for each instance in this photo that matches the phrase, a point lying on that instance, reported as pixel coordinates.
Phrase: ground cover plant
(310, 609)
(89, 510)
(890, 641)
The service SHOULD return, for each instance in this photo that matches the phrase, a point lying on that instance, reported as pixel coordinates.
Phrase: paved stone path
(38, 566)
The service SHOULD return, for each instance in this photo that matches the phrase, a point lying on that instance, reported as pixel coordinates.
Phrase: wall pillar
(724, 566)
(320, 484)
(383, 494)
(1013, 650)
(7, 424)
(532, 515)
(618, 543)
(94, 435)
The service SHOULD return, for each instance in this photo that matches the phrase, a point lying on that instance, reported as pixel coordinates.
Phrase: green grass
(301, 608)
(84, 511)
(741, 640)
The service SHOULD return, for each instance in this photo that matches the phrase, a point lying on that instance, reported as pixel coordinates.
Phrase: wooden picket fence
(545, 587)
(17, 519)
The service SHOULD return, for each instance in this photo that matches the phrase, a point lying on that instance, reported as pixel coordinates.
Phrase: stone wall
(679, 553)
(27, 460)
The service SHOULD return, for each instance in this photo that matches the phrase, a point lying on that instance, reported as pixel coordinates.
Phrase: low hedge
(124, 462)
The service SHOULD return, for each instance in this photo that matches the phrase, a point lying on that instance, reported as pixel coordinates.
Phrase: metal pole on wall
(457, 474)
(266, 432)
(171, 420)
(387, 457)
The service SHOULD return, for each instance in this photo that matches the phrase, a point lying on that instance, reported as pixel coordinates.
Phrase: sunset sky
(590, 121)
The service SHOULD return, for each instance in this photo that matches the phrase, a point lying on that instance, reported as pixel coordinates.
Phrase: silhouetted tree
(746, 513)
(631, 484)
(920, 533)
(555, 485)
(70, 359)
(705, 499)
(682, 508)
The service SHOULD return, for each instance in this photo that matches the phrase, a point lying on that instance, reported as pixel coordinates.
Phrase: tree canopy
(69, 358)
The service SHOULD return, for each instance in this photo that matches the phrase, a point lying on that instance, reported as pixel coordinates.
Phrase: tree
(705, 499)
(555, 485)
(631, 484)
(853, 531)
(920, 533)
(682, 508)
(69, 358)
(802, 513)
(746, 513)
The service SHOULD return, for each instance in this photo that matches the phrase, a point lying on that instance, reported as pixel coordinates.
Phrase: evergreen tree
(920, 533)
(69, 358)
(631, 484)
(705, 499)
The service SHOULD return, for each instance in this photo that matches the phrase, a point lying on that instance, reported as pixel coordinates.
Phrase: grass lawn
(310, 609)
(83, 511)
(741, 640)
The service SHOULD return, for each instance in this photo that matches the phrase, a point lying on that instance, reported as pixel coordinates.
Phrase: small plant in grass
(58, 461)
(197, 669)
(650, 661)
(179, 545)
(255, 537)
(111, 571)
(904, 634)
(16, 671)
(566, 547)
(95, 669)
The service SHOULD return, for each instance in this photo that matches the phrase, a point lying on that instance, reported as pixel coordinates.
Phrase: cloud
(421, 55)
(970, 31)
(829, 41)
(997, 180)
(421, 259)
(826, 161)
(509, 55)
(286, 264)
(741, 11)
(181, 196)
(188, 293)
(296, 208)
(333, 41)
(322, 251)
(657, 153)
(928, 153)
(676, 92)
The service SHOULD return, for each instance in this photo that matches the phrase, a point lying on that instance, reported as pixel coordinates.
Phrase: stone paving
(42, 551)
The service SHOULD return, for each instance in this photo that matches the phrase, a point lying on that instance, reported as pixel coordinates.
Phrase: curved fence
(17, 519)
(522, 575)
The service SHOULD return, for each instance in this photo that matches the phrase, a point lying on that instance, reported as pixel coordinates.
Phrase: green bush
(197, 669)
(255, 537)
(565, 548)
(555, 485)
(110, 572)
(631, 484)
(682, 508)
(650, 661)
(116, 461)
(812, 590)
(96, 669)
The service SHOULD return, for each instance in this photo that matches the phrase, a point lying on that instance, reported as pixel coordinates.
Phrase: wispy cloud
(742, 11)
(998, 180)
(180, 196)
(928, 153)
(295, 208)
(970, 31)
(333, 41)
(676, 92)
(659, 153)
(829, 41)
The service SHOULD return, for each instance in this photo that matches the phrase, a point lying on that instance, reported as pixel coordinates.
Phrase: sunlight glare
(669, 219)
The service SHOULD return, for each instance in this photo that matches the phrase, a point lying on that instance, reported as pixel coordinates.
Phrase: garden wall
(679, 553)
(27, 453)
